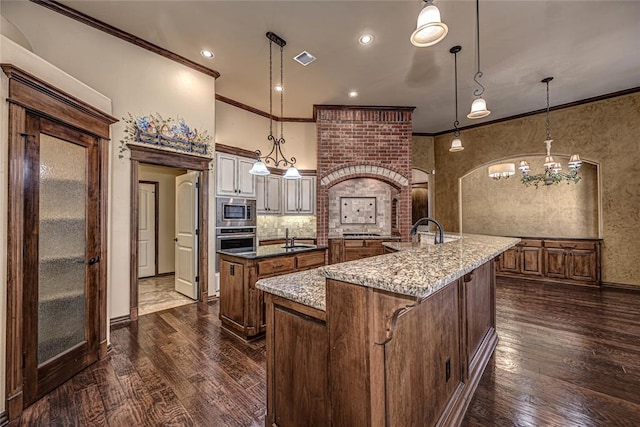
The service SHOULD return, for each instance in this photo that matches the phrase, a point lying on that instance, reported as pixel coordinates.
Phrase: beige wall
(423, 153)
(138, 82)
(605, 132)
(504, 207)
(166, 179)
(240, 128)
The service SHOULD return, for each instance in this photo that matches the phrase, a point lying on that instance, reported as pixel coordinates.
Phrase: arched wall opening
(508, 207)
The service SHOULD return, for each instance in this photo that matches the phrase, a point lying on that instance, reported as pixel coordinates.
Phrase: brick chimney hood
(363, 142)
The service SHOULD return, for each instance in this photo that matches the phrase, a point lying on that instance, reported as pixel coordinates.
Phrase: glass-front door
(62, 252)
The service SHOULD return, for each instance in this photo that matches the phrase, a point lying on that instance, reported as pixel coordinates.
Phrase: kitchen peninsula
(241, 304)
(398, 339)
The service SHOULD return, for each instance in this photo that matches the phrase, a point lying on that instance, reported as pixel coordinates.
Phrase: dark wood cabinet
(341, 250)
(347, 366)
(242, 308)
(575, 261)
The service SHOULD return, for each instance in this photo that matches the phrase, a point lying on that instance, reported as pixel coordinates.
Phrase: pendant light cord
(478, 75)
(456, 133)
(548, 121)
(281, 96)
(270, 89)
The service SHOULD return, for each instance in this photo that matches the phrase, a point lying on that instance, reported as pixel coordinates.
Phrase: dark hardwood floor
(567, 356)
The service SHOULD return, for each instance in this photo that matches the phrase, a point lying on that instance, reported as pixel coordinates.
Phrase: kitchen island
(242, 310)
(398, 339)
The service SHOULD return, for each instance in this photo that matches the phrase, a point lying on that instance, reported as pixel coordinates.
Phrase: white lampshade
(430, 29)
(292, 173)
(524, 166)
(557, 168)
(456, 145)
(548, 161)
(502, 170)
(259, 168)
(478, 109)
(574, 161)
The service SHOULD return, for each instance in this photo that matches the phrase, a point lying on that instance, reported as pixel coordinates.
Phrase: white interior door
(146, 230)
(186, 237)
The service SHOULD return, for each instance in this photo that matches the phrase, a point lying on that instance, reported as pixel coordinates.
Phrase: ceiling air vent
(305, 58)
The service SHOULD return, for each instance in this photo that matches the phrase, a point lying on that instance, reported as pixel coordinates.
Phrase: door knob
(175, 239)
(93, 260)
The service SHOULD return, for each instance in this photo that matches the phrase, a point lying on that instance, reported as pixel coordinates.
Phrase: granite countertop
(417, 270)
(272, 238)
(269, 251)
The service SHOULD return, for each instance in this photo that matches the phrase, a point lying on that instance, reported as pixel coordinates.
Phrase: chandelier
(552, 170)
(275, 155)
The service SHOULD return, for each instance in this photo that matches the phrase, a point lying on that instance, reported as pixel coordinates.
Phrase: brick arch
(365, 171)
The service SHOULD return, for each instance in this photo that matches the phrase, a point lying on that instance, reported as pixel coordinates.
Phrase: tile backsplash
(271, 226)
(366, 204)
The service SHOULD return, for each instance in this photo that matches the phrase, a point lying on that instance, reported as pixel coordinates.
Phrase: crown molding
(254, 110)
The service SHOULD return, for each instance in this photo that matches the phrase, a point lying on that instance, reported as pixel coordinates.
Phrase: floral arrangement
(165, 133)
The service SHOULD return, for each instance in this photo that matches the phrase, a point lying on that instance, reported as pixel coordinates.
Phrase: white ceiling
(591, 48)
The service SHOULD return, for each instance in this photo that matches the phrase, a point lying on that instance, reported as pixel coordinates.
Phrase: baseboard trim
(171, 273)
(121, 320)
(621, 286)
(212, 298)
(4, 418)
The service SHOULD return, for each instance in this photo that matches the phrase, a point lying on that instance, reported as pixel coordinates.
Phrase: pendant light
(275, 155)
(430, 29)
(479, 105)
(456, 144)
(552, 170)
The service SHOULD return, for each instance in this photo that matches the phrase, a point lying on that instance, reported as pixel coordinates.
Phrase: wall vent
(304, 58)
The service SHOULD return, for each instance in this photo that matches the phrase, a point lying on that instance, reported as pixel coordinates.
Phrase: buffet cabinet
(242, 310)
(572, 261)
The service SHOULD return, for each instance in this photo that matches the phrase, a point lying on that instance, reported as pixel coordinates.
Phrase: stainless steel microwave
(235, 212)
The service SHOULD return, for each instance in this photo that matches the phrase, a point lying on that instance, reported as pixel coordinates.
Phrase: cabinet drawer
(353, 254)
(311, 259)
(373, 243)
(277, 265)
(531, 243)
(349, 243)
(569, 244)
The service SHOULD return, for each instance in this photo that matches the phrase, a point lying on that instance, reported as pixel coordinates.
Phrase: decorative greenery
(550, 178)
(165, 133)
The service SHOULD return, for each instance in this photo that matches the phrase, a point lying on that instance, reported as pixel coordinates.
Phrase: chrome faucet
(286, 238)
(419, 222)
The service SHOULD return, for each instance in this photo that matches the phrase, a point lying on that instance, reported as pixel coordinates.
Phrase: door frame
(29, 94)
(156, 202)
(153, 156)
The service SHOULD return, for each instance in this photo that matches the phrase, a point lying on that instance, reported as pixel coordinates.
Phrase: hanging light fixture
(552, 170)
(430, 29)
(275, 155)
(502, 170)
(456, 144)
(479, 105)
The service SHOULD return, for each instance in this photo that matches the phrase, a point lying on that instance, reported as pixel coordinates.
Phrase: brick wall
(371, 136)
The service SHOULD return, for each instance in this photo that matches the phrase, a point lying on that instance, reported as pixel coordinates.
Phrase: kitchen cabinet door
(269, 194)
(300, 195)
(245, 181)
(226, 175)
(233, 177)
(307, 200)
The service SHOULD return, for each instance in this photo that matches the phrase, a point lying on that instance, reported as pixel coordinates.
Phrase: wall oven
(235, 238)
(235, 212)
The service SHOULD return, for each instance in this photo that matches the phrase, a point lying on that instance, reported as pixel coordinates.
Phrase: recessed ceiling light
(366, 39)
(278, 88)
(353, 94)
(207, 53)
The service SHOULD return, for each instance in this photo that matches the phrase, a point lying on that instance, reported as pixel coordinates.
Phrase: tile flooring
(157, 293)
